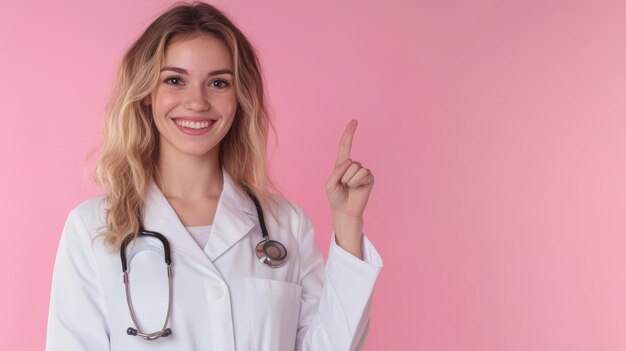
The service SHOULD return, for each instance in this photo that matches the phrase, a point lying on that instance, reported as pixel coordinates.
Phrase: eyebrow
(184, 71)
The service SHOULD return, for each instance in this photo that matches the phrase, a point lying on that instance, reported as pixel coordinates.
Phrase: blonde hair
(129, 145)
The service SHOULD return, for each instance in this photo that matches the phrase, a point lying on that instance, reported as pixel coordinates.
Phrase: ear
(146, 101)
(146, 105)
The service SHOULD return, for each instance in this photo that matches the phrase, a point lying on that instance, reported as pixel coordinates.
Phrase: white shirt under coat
(224, 299)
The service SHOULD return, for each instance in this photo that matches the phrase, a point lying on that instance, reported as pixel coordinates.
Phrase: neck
(189, 177)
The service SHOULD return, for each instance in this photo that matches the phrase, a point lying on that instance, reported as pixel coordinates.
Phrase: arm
(336, 299)
(76, 314)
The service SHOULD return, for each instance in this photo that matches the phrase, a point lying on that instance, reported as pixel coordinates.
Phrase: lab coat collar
(231, 223)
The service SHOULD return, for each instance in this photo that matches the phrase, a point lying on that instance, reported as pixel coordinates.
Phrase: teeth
(192, 125)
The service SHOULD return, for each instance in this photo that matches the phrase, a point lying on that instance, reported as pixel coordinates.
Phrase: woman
(184, 155)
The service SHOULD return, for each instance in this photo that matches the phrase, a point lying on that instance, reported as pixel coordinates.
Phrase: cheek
(163, 101)
(228, 106)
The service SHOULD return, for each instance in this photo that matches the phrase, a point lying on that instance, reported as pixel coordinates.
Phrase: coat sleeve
(76, 312)
(336, 298)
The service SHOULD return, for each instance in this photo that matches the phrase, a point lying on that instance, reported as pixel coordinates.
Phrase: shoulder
(287, 208)
(89, 215)
(85, 222)
(292, 214)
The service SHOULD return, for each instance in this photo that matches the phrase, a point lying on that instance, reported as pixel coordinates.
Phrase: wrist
(349, 234)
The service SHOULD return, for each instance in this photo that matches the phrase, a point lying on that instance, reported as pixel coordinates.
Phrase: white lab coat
(223, 297)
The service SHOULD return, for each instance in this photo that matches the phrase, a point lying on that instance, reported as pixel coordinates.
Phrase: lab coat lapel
(232, 218)
(231, 223)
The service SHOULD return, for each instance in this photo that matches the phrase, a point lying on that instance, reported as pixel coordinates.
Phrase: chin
(197, 150)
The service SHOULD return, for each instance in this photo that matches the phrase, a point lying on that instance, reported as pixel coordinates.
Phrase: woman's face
(194, 102)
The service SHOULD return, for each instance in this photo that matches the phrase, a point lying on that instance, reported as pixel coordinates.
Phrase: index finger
(346, 142)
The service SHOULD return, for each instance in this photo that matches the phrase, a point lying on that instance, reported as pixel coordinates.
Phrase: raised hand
(348, 190)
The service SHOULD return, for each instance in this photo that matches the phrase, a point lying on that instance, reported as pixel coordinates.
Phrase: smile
(192, 125)
(197, 127)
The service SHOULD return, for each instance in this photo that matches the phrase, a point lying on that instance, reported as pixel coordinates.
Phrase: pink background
(495, 130)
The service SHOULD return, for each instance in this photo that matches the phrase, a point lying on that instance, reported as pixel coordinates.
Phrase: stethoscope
(269, 252)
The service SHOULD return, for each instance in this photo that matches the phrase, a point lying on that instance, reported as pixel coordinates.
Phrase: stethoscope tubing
(168, 261)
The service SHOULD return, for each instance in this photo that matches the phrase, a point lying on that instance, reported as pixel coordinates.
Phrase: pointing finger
(346, 142)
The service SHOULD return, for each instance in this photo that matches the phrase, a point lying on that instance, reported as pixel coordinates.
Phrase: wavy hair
(130, 143)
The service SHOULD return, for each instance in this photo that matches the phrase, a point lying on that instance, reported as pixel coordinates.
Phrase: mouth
(194, 126)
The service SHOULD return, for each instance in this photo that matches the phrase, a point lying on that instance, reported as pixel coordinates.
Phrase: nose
(197, 99)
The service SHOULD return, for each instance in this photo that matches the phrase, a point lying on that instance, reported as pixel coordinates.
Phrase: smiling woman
(183, 167)
(185, 68)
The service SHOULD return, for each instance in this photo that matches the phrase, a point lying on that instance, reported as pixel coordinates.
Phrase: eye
(172, 80)
(222, 83)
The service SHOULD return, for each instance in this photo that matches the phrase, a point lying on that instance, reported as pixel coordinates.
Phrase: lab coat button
(214, 291)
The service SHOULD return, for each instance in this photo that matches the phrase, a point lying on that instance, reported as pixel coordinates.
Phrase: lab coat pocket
(274, 310)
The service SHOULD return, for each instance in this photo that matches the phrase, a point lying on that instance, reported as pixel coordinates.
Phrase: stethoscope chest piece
(271, 253)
